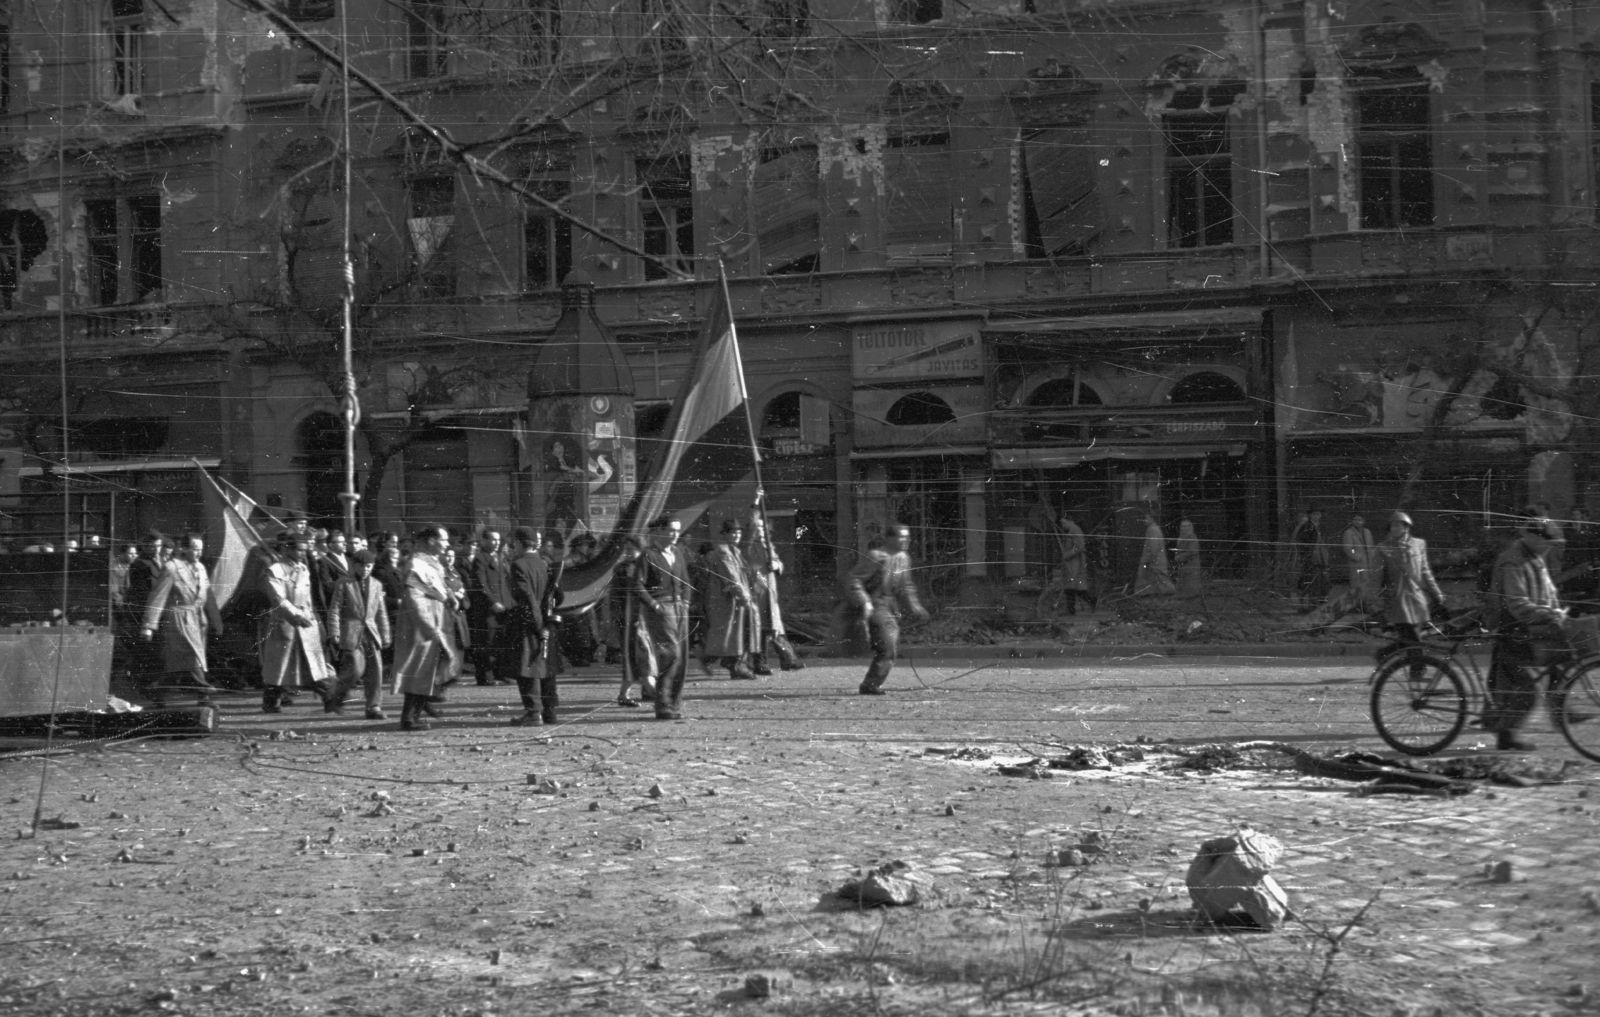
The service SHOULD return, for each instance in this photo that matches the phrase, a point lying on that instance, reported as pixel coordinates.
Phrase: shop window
(1206, 387)
(787, 210)
(1061, 212)
(124, 249)
(666, 211)
(547, 241)
(795, 423)
(917, 171)
(538, 32)
(1199, 159)
(124, 34)
(917, 12)
(1064, 392)
(432, 202)
(23, 238)
(1395, 146)
(919, 409)
(427, 38)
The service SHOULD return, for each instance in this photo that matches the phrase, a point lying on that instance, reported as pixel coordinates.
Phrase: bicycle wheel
(1575, 705)
(1419, 704)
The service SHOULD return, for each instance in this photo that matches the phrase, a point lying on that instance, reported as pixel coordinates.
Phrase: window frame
(124, 41)
(1418, 137)
(1206, 202)
(555, 238)
(435, 278)
(538, 33)
(124, 249)
(673, 212)
(427, 39)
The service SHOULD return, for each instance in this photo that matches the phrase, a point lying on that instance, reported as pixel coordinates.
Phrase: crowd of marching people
(340, 616)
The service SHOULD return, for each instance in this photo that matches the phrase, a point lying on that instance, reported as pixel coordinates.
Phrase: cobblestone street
(309, 863)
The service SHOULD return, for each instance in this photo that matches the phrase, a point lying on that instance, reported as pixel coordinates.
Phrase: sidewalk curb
(1107, 651)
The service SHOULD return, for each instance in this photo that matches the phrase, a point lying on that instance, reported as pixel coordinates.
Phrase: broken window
(666, 212)
(432, 202)
(23, 238)
(547, 241)
(787, 210)
(1061, 212)
(1396, 154)
(1199, 160)
(124, 248)
(123, 59)
(427, 38)
(917, 170)
(537, 31)
(917, 12)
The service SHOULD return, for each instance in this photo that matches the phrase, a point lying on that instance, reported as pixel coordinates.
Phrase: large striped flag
(230, 536)
(707, 449)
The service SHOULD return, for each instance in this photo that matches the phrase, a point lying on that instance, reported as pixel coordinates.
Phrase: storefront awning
(123, 466)
(1121, 324)
(1056, 458)
(925, 450)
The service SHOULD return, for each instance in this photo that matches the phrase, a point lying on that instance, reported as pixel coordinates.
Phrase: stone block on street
(1231, 873)
(894, 883)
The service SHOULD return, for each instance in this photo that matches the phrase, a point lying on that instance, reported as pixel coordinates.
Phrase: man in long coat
(532, 598)
(765, 567)
(291, 654)
(141, 659)
(662, 591)
(731, 625)
(488, 600)
(423, 649)
(358, 625)
(1359, 558)
(1407, 582)
(182, 608)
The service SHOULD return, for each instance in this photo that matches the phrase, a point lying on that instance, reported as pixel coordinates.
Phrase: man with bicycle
(1525, 610)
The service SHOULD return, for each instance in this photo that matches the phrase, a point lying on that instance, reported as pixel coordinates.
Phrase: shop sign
(795, 447)
(887, 351)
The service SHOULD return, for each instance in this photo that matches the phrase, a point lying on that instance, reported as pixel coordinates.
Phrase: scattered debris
(58, 823)
(949, 810)
(1500, 872)
(655, 790)
(892, 883)
(1037, 768)
(967, 752)
(1209, 758)
(1071, 858)
(762, 985)
(1232, 872)
(757, 911)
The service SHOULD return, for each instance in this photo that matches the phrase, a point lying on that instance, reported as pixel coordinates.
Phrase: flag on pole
(230, 537)
(706, 450)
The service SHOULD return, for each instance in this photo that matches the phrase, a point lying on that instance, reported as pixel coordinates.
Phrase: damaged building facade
(989, 261)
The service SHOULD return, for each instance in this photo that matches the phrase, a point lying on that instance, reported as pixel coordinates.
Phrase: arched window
(1059, 393)
(1206, 387)
(920, 409)
(794, 423)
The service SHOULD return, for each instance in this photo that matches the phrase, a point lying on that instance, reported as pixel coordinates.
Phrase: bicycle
(1422, 696)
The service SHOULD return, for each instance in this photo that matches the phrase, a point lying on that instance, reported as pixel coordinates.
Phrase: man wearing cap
(732, 628)
(358, 624)
(1523, 607)
(878, 587)
(1407, 583)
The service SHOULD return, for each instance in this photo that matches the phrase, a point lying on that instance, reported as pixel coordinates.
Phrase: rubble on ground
(895, 883)
(1231, 874)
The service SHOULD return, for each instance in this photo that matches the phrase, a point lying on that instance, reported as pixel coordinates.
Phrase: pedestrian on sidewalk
(879, 587)
(1154, 576)
(1524, 609)
(181, 607)
(731, 626)
(291, 655)
(1313, 583)
(1186, 560)
(1407, 584)
(358, 625)
(1358, 555)
(661, 589)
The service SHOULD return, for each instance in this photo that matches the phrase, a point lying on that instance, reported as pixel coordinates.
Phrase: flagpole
(749, 419)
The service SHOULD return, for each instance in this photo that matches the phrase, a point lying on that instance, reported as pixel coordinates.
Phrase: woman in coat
(732, 630)
(1186, 560)
(1153, 576)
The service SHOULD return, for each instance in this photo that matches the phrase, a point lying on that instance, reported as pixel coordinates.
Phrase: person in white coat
(424, 653)
(291, 655)
(182, 608)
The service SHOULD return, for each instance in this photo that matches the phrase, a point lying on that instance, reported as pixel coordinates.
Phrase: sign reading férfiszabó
(885, 351)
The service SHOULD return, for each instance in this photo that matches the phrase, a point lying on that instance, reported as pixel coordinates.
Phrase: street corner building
(992, 264)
